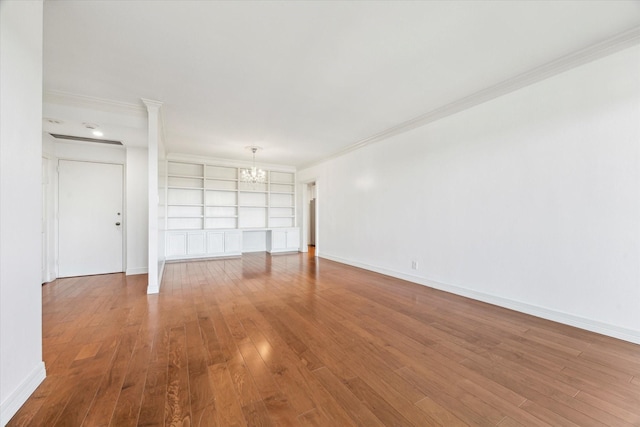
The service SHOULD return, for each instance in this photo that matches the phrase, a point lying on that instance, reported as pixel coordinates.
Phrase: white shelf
(212, 197)
(221, 179)
(174, 176)
(185, 188)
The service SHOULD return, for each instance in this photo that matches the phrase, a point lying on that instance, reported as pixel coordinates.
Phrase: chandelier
(253, 175)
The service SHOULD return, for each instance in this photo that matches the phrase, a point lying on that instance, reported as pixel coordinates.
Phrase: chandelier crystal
(253, 175)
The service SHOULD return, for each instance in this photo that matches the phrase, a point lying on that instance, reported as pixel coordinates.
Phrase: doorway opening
(312, 218)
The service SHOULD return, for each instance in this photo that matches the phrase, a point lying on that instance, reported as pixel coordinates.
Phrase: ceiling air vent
(85, 139)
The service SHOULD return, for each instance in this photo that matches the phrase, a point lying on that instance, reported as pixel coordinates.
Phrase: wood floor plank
(127, 409)
(439, 415)
(307, 356)
(155, 388)
(540, 394)
(108, 393)
(346, 398)
(431, 363)
(508, 409)
(54, 403)
(257, 415)
(77, 406)
(276, 402)
(384, 411)
(178, 404)
(222, 333)
(617, 414)
(548, 416)
(445, 395)
(510, 422)
(296, 340)
(203, 401)
(328, 405)
(229, 411)
(323, 347)
(282, 367)
(92, 370)
(312, 418)
(210, 339)
(242, 380)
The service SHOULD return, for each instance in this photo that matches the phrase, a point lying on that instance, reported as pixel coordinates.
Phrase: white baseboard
(16, 399)
(139, 270)
(50, 277)
(614, 331)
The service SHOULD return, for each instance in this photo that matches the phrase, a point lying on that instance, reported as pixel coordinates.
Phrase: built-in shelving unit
(205, 198)
(282, 211)
(184, 196)
(221, 197)
(202, 196)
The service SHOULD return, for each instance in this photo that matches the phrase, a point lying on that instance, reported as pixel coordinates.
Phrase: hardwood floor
(292, 340)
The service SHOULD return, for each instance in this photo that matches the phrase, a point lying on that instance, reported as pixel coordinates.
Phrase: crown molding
(607, 47)
(93, 103)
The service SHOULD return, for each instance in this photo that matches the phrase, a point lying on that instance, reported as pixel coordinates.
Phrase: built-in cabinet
(209, 207)
(183, 244)
(283, 240)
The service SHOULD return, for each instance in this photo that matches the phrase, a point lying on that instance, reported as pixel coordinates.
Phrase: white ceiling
(303, 79)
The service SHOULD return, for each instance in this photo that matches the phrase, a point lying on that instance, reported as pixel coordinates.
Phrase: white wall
(530, 201)
(21, 365)
(137, 211)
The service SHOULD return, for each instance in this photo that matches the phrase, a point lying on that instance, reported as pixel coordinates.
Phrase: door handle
(117, 223)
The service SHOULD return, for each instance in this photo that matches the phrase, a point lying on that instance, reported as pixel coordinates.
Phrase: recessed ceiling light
(90, 125)
(54, 121)
(97, 133)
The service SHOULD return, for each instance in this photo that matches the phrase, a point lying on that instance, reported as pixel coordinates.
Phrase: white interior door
(90, 218)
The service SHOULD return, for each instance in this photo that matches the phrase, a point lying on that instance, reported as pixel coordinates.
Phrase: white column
(153, 110)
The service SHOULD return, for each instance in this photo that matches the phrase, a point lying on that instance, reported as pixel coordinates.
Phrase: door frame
(306, 217)
(57, 209)
(44, 221)
(50, 209)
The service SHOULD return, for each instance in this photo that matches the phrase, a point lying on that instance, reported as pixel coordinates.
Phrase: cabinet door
(278, 239)
(233, 242)
(176, 244)
(215, 242)
(293, 239)
(195, 243)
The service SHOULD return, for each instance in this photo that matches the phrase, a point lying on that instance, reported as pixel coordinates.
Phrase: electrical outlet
(414, 264)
